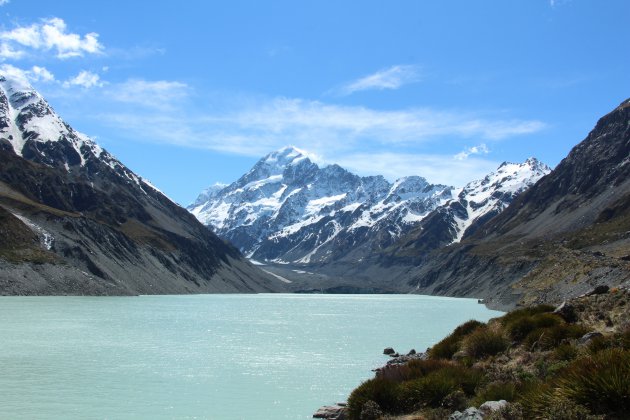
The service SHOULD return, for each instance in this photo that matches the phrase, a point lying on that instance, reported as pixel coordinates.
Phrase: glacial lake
(266, 356)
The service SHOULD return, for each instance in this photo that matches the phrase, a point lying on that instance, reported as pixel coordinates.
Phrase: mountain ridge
(108, 230)
(288, 210)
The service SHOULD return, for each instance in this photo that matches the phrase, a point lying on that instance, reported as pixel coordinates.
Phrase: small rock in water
(388, 350)
(411, 352)
(331, 412)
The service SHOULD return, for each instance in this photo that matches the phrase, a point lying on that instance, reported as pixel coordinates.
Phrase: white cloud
(41, 73)
(287, 119)
(25, 77)
(482, 149)
(151, 94)
(48, 35)
(84, 79)
(6, 51)
(391, 78)
(397, 140)
(3, 2)
(436, 168)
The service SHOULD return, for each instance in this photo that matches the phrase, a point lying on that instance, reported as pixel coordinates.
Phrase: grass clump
(446, 348)
(496, 391)
(550, 337)
(521, 327)
(383, 392)
(484, 342)
(600, 382)
(425, 384)
(525, 312)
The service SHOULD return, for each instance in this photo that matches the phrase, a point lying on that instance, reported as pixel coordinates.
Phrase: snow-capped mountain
(288, 209)
(483, 199)
(31, 128)
(77, 221)
(473, 205)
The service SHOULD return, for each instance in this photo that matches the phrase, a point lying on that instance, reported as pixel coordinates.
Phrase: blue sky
(190, 93)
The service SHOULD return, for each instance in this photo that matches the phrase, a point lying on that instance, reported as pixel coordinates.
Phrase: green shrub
(383, 392)
(450, 345)
(412, 370)
(548, 338)
(484, 342)
(600, 382)
(521, 327)
(562, 409)
(428, 391)
(565, 352)
(549, 368)
(524, 313)
(496, 391)
(371, 411)
(432, 389)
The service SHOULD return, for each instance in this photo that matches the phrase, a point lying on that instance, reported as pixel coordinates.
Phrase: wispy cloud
(436, 168)
(391, 78)
(48, 35)
(26, 77)
(3, 2)
(396, 139)
(151, 94)
(481, 149)
(85, 79)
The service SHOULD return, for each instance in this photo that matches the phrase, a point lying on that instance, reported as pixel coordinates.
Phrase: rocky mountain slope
(287, 209)
(563, 236)
(476, 203)
(74, 220)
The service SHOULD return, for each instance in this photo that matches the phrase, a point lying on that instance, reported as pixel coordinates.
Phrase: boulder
(588, 337)
(411, 352)
(388, 350)
(599, 290)
(567, 312)
(471, 413)
(331, 412)
(492, 406)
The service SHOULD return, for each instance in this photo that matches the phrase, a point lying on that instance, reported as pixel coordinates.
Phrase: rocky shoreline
(602, 314)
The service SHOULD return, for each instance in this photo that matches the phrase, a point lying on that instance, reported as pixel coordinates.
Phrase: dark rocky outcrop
(562, 237)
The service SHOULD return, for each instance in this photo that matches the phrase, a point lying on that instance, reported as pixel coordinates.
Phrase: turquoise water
(225, 357)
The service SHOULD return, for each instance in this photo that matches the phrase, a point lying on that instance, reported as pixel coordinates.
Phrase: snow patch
(45, 238)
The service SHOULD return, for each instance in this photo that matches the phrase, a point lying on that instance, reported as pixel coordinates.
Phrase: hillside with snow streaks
(487, 197)
(33, 130)
(288, 209)
(77, 221)
(472, 206)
